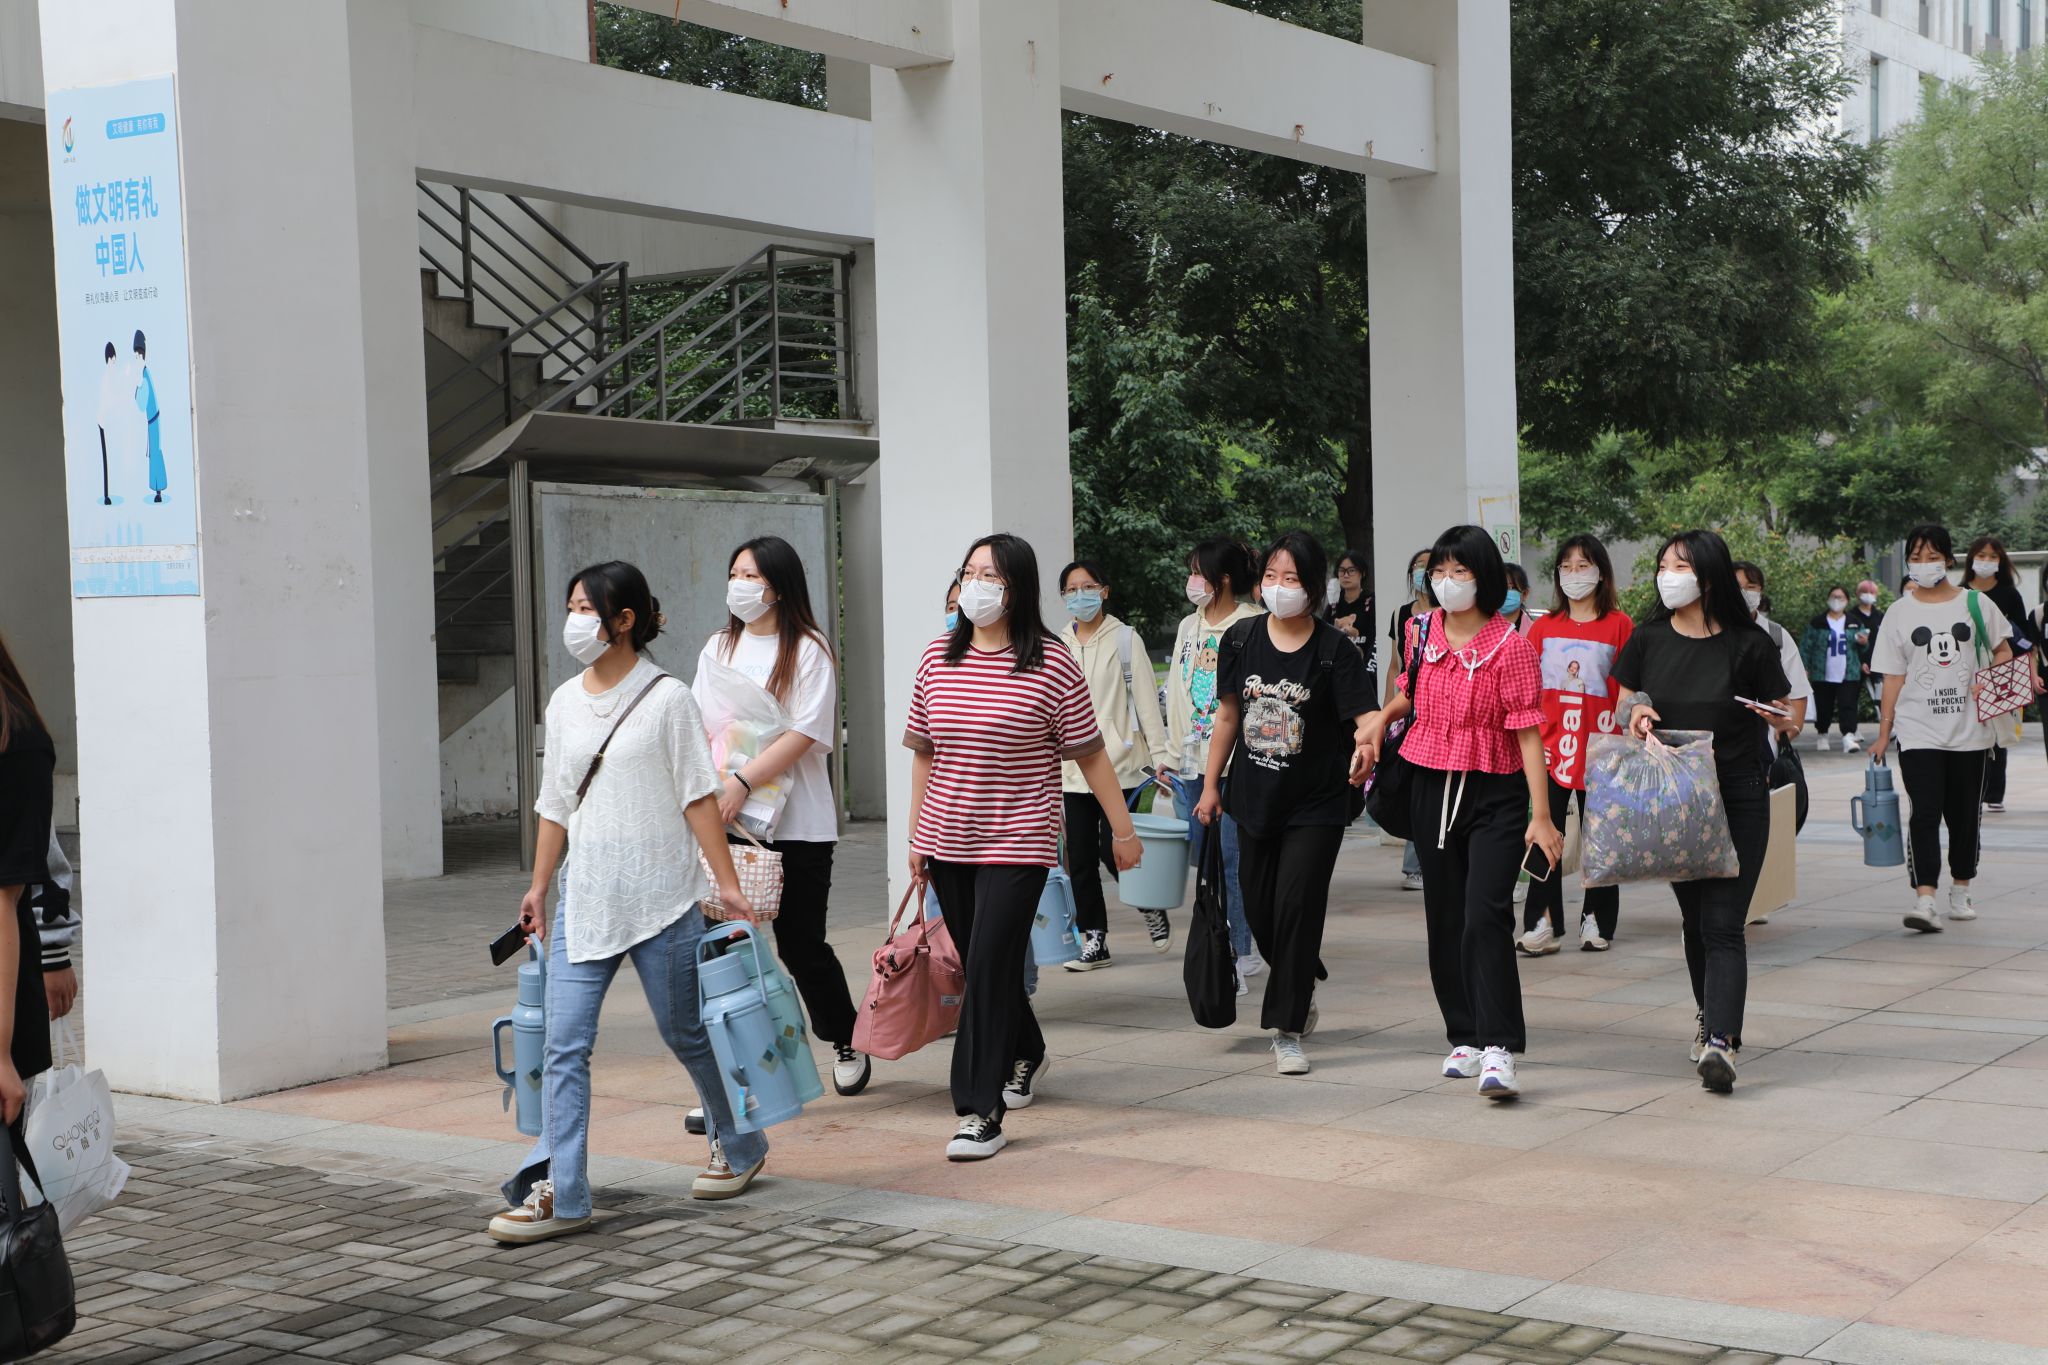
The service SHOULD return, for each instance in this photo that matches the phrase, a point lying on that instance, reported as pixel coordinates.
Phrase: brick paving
(234, 1251)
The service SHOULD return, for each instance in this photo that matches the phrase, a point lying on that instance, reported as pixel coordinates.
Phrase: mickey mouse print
(1937, 648)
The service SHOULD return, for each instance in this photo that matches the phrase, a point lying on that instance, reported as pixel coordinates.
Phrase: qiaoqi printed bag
(1653, 811)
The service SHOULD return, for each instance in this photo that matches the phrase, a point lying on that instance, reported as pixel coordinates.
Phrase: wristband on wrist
(741, 778)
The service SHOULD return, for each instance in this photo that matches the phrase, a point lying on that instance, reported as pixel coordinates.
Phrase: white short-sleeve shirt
(633, 867)
(810, 815)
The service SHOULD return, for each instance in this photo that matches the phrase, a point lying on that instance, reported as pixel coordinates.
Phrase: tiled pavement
(235, 1252)
(1873, 1192)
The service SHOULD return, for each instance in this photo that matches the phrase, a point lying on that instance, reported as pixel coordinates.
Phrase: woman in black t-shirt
(1291, 694)
(28, 764)
(1684, 669)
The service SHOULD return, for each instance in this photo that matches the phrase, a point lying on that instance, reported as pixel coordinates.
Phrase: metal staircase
(520, 319)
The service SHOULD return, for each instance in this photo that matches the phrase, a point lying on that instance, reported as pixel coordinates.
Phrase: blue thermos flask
(1054, 939)
(528, 1022)
(759, 1084)
(1875, 816)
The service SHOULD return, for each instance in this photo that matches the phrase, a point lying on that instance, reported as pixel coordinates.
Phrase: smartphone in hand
(1765, 706)
(1537, 864)
(507, 945)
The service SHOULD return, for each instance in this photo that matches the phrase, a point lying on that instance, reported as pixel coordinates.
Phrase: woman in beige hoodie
(1126, 702)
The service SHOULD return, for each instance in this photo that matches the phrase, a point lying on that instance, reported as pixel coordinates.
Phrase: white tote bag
(70, 1131)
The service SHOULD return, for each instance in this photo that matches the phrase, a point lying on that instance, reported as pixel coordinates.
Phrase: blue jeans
(1186, 793)
(1411, 861)
(667, 967)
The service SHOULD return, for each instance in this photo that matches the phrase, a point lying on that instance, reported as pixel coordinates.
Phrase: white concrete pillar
(1442, 295)
(970, 289)
(228, 742)
(394, 399)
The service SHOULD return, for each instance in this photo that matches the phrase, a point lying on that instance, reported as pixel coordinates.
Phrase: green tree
(635, 40)
(1958, 265)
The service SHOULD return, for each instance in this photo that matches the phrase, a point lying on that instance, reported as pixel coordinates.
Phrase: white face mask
(1579, 586)
(1838, 605)
(1455, 594)
(743, 598)
(981, 603)
(1285, 602)
(1927, 575)
(1753, 598)
(1678, 589)
(580, 638)
(1984, 568)
(1199, 591)
(1868, 599)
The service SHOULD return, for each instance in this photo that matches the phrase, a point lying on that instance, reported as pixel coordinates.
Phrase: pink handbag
(915, 994)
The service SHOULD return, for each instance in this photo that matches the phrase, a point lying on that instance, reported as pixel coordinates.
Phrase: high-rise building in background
(1899, 49)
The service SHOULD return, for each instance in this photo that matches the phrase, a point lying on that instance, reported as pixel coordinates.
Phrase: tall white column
(228, 742)
(394, 399)
(970, 288)
(1442, 295)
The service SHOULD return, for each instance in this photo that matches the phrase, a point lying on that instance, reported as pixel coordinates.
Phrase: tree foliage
(635, 40)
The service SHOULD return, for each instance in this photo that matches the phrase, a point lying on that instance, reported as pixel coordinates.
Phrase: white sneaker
(1959, 904)
(850, 1070)
(1851, 744)
(1717, 1066)
(1412, 882)
(720, 1181)
(1243, 987)
(1820, 745)
(535, 1220)
(1497, 1075)
(1540, 941)
(1288, 1058)
(1308, 1025)
(1994, 807)
(1589, 934)
(1251, 964)
(1463, 1063)
(1924, 916)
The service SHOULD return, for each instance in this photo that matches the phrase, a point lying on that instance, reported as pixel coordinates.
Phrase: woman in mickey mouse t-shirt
(1929, 649)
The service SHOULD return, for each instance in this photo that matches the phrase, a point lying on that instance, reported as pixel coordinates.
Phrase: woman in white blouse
(636, 821)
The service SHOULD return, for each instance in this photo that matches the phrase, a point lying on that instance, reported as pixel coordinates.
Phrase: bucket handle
(498, 1027)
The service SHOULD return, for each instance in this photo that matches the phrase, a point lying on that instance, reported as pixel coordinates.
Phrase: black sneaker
(850, 1069)
(1717, 1066)
(1094, 951)
(1017, 1090)
(976, 1139)
(1160, 931)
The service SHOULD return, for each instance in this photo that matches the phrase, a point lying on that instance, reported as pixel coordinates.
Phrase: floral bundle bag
(1654, 812)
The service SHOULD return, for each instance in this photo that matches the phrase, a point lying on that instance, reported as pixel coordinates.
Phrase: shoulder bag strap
(1415, 653)
(597, 759)
(1123, 656)
(1970, 596)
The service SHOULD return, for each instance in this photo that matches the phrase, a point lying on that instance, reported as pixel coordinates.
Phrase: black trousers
(800, 938)
(1547, 897)
(988, 911)
(1837, 702)
(1285, 881)
(1994, 776)
(1712, 912)
(1468, 887)
(1088, 847)
(1942, 786)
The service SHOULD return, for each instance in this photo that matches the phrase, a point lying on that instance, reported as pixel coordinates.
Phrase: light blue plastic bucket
(1160, 881)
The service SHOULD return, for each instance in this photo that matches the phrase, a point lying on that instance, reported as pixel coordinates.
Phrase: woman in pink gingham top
(1474, 687)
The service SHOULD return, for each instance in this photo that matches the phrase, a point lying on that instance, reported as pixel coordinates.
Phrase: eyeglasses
(989, 576)
(1084, 587)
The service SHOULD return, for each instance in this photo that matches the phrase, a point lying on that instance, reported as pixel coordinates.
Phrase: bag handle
(747, 834)
(14, 1156)
(597, 758)
(896, 920)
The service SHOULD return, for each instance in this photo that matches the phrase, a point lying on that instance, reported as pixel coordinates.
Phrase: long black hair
(615, 587)
(2004, 578)
(1604, 598)
(17, 707)
(1017, 562)
(1474, 549)
(776, 560)
(1311, 565)
(1720, 594)
(1225, 557)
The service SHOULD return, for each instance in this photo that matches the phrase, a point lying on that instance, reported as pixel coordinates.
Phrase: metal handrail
(466, 603)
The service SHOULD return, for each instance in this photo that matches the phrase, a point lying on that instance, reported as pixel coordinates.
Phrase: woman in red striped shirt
(1475, 689)
(998, 703)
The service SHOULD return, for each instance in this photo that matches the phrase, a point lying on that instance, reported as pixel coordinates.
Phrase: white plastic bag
(742, 719)
(70, 1133)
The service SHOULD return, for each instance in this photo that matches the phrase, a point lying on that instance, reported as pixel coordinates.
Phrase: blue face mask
(1511, 604)
(1415, 579)
(952, 621)
(1084, 606)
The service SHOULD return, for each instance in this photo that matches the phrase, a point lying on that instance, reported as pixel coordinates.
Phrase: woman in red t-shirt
(997, 704)
(1577, 645)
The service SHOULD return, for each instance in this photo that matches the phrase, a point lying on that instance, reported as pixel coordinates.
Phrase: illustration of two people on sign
(128, 418)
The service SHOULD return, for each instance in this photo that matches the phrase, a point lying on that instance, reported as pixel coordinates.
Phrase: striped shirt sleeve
(917, 732)
(1075, 733)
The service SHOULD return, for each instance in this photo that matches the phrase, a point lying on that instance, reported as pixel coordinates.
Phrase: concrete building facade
(399, 214)
(1898, 49)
